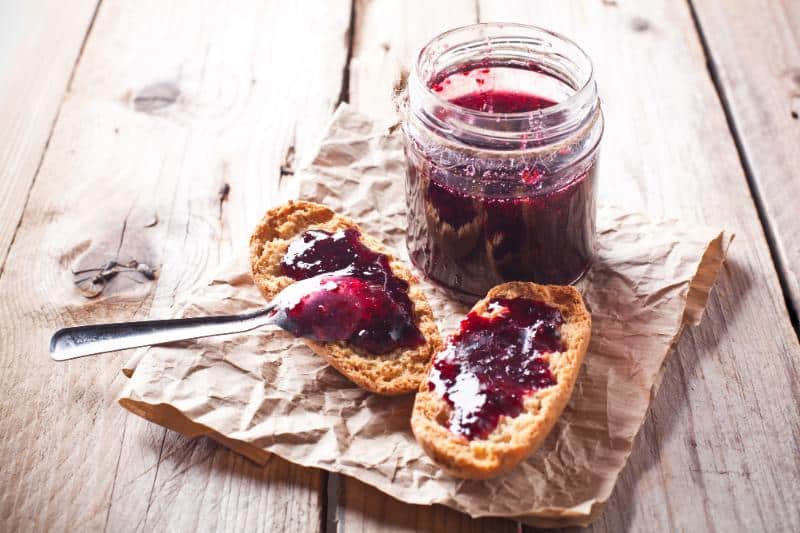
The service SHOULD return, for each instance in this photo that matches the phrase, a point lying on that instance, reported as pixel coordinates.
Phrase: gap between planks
(344, 92)
(331, 481)
(747, 168)
(67, 89)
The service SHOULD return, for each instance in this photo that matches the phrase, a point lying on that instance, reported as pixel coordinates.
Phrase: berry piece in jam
(493, 362)
(363, 303)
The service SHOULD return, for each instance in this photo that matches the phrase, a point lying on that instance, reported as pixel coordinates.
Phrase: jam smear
(493, 362)
(363, 302)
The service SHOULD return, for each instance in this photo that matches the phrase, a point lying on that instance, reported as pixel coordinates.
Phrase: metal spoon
(80, 341)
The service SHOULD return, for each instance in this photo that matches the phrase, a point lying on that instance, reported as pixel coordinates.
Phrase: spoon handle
(71, 343)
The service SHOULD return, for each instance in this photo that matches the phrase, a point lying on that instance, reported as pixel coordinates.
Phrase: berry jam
(493, 362)
(496, 195)
(502, 102)
(337, 307)
(363, 302)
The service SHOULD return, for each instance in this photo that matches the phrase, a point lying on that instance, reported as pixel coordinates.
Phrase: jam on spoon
(362, 301)
(493, 362)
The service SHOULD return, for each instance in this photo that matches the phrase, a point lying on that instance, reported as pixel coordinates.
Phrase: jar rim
(580, 92)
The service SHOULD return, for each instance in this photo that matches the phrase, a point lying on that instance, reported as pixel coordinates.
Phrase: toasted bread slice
(398, 372)
(514, 439)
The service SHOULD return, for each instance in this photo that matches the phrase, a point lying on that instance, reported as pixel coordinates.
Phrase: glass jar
(502, 129)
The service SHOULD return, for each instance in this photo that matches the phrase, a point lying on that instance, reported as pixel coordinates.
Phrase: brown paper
(265, 392)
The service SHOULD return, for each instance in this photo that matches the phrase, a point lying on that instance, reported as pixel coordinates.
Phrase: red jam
(502, 102)
(364, 302)
(513, 223)
(488, 208)
(338, 308)
(493, 362)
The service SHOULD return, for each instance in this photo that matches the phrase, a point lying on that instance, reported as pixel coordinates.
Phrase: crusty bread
(398, 372)
(515, 438)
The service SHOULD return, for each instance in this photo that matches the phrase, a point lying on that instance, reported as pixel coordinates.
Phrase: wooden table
(122, 122)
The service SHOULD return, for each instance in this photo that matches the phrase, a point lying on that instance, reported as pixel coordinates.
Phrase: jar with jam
(502, 129)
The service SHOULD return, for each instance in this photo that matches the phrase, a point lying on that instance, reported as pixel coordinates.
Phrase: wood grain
(387, 36)
(730, 395)
(755, 53)
(39, 44)
(170, 102)
(364, 509)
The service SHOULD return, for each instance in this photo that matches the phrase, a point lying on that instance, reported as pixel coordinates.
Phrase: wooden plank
(755, 49)
(364, 509)
(729, 398)
(201, 486)
(387, 35)
(170, 102)
(39, 44)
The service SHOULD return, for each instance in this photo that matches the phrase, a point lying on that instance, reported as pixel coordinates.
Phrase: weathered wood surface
(755, 49)
(386, 38)
(363, 509)
(170, 101)
(35, 66)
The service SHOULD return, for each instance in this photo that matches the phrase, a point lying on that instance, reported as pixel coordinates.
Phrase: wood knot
(104, 267)
(639, 24)
(92, 281)
(156, 96)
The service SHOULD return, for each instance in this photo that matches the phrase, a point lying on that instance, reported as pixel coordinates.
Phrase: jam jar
(502, 127)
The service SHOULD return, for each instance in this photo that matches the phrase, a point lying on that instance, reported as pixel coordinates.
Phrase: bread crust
(398, 372)
(515, 438)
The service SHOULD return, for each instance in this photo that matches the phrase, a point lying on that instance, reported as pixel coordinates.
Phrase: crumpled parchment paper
(265, 393)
